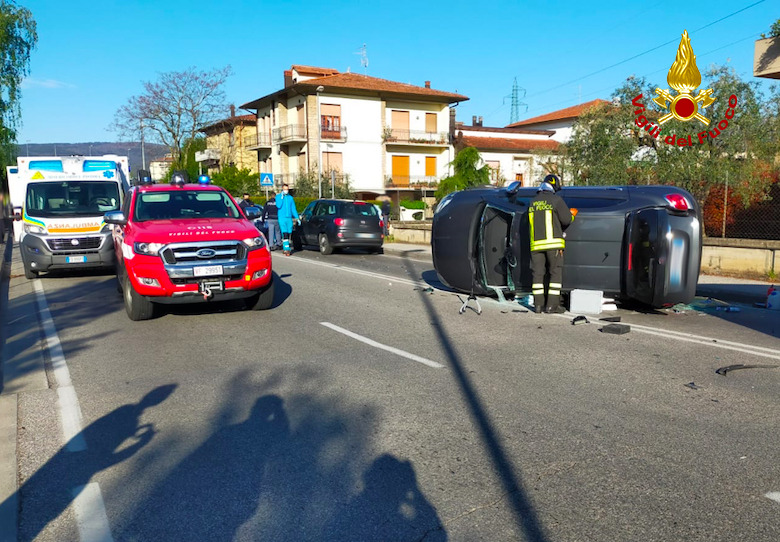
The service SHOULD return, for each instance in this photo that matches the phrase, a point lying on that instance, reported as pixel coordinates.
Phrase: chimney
(474, 120)
(479, 121)
(232, 111)
(452, 121)
(427, 84)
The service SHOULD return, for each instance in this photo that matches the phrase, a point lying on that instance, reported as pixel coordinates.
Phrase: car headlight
(148, 249)
(106, 228)
(253, 243)
(32, 228)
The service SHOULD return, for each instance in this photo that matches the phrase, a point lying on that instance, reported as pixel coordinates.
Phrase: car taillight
(338, 221)
(381, 224)
(677, 202)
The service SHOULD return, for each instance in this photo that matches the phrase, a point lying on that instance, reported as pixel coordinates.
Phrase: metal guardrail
(338, 133)
(257, 140)
(289, 132)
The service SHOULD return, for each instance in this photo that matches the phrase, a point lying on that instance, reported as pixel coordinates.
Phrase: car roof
(189, 186)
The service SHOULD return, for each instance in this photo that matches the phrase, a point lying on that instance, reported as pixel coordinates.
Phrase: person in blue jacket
(287, 213)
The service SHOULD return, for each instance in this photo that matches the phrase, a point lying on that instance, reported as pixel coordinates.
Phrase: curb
(8, 418)
(420, 254)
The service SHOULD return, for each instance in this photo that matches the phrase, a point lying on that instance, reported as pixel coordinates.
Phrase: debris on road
(577, 320)
(692, 386)
(738, 366)
(616, 329)
(610, 319)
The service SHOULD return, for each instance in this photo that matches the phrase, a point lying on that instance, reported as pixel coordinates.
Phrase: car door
(317, 222)
(306, 217)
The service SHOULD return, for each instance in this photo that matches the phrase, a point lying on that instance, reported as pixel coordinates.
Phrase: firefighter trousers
(547, 275)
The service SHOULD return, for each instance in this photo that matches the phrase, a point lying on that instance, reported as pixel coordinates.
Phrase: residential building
(228, 143)
(160, 167)
(381, 135)
(766, 59)
(560, 121)
(513, 154)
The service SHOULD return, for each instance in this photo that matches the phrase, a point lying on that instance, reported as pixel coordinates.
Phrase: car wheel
(297, 243)
(262, 301)
(325, 246)
(29, 273)
(119, 281)
(138, 307)
(377, 250)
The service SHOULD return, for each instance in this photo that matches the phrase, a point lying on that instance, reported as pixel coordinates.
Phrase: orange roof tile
(568, 113)
(245, 120)
(313, 70)
(506, 144)
(366, 82)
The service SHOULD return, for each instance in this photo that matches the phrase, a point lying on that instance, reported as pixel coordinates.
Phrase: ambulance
(59, 203)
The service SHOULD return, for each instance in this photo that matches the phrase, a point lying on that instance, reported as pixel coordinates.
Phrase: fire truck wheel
(137, 306)
(261, 301)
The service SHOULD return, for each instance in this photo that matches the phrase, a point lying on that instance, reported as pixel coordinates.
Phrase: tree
(237, 181)
(306, 185)
(174, 108)
(18, 37)
(467, 172)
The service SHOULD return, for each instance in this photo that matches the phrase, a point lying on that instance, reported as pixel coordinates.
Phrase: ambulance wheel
(261, 301)
(138, 307)
(325, 246)
(30, 273)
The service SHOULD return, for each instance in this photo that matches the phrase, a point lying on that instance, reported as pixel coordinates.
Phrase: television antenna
(514, 115)
(363, 58)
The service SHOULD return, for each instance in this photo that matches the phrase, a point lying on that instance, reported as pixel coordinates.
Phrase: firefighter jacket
(548, 215)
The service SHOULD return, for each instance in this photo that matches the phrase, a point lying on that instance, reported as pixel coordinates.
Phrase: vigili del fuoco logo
(685, 78)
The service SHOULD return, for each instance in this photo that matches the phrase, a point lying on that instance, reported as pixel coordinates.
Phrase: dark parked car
(337, 223)
(639, 243)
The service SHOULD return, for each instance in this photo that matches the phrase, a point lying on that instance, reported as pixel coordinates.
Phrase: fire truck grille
(74, 244)
(216, 252)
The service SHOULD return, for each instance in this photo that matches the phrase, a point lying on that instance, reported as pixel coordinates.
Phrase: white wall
(417, 114)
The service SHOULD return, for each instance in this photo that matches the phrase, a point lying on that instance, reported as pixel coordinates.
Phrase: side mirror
(115, 217)
(17, 214)
(514, 187)
(252, 212)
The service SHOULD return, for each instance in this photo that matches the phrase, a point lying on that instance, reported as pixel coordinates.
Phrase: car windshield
(177, 204)
(71, 198)
(359, 209)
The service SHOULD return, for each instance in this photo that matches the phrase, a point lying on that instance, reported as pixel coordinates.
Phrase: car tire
(377, 250)
(325, 247)
(263, 300)
(138, 307)
(119, 281)
(297, 243)
(29, 273)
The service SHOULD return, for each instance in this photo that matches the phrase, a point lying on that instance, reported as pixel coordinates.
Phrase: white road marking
(665, 333)
(70, 411)
(381, 346)
(773, 495)
(91, 517)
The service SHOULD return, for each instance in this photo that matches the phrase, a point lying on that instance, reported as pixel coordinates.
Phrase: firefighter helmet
(554, 181)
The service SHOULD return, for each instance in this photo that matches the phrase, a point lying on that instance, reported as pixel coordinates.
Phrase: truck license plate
(207, 270)
(76, 259)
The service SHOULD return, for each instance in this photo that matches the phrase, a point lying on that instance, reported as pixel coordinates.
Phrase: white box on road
(586, 301)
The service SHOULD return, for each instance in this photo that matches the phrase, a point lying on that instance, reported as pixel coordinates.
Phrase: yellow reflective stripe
(537, 285)
(537, 292)
(556, 285)
(548, 245)
(548, 227)
(531, 220)
(554, 292)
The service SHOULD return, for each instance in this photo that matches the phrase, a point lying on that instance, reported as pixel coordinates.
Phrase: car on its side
(638, 243)
(332, 224)
(188, 243)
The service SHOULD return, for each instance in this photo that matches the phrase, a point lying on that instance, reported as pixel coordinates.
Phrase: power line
(643, 53)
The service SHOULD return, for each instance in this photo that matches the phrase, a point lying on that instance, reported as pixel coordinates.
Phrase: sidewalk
(732, 290)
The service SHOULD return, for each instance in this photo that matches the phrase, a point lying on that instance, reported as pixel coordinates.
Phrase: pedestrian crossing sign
(266, 179)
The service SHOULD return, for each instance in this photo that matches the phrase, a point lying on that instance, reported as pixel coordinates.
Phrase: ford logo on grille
(206, 253)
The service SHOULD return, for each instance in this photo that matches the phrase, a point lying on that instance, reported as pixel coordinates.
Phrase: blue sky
(92, 56)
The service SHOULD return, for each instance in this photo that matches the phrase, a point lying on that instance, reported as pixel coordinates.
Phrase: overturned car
(634, 243)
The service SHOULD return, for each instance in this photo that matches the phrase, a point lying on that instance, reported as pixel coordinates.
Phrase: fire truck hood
(168, 231)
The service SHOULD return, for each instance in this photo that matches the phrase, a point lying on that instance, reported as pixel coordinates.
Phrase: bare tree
(173, 108)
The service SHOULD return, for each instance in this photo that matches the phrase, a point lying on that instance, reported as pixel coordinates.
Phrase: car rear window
(359, 209)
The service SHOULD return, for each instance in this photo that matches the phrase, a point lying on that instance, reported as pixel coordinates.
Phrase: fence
(727, 217)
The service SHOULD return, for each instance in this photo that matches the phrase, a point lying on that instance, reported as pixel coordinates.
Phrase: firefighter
(548, 215)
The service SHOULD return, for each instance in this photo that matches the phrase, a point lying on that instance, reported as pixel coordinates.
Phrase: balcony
(289, 133)
(392, 136)
(333, 133)
(766, 61)
(257, 141)
(207, 156)
(412, 182)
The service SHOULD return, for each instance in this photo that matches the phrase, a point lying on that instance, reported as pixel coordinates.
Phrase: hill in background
(130, 149)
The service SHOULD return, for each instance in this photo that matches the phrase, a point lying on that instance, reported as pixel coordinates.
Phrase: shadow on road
(48, 492)
(286, 471)
(526, 518)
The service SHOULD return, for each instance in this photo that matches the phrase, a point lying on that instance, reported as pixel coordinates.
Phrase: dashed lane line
(381, 346)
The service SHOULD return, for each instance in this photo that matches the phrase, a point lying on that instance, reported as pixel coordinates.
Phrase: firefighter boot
(554, 305)
(538, 304)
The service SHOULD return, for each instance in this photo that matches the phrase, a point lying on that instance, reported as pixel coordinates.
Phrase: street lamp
(143, 153)
(90, 150)
(319, 142)
(28, 147)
